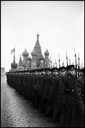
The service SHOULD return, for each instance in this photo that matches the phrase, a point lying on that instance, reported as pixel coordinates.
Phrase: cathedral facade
(37, 60)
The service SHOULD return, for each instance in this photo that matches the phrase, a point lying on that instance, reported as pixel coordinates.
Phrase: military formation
(58, 92)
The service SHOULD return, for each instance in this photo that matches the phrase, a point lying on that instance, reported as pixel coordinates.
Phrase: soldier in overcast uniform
(79, 83)
(57, 92)
(46, 86)
(41, 90)
(70, 93)
(56, 98)
(63, 112)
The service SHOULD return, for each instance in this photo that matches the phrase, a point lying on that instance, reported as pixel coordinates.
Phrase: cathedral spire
(38, 37)
(14, 58)
(37, 45)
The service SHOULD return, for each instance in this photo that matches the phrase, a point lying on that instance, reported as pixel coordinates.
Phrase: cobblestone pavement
(18, 112)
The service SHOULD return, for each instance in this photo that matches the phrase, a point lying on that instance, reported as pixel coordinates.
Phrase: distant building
(37, 60)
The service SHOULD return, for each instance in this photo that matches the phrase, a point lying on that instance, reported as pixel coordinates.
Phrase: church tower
(37, 56)
(25, 54)
(47, 61)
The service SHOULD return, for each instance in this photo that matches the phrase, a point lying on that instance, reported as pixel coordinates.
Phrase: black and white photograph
(42, 64)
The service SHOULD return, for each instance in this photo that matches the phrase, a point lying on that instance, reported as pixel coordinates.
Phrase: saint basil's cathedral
(37, 60)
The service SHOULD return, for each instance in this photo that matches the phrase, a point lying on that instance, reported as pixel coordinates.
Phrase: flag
(13, 50)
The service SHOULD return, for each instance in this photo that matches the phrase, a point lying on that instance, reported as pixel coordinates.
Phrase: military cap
(71, 70)
(70, 67)
(55, 69)
(42, 70)
(62, 68)
(47, 70)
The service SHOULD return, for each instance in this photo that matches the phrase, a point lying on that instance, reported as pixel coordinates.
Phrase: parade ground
(16, 111)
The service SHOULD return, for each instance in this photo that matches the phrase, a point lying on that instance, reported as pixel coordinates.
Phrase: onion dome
(28, 58)
(25, 53)
(46, 53)
(33, 53)
(37, 46)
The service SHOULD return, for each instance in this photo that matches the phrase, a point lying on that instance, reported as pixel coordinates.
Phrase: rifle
(59, 60)
(75, 61)
(78, 63)
(66, 59)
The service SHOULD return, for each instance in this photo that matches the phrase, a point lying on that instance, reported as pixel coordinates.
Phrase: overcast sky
(60, 25)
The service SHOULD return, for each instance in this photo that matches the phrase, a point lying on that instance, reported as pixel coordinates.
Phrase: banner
(13, 50)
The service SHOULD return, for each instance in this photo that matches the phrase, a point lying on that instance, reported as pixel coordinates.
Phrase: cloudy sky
(60, 25)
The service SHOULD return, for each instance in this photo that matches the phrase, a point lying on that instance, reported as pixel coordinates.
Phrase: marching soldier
(79, 83)
(63, 111)
(41, 90)
(57, 92)
(46, 87)
(36, 88)
(52, 106)
(49, 103)
(71, 94)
